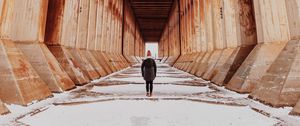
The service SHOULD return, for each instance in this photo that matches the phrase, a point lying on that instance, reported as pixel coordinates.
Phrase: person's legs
(147, 87)
(151, 87)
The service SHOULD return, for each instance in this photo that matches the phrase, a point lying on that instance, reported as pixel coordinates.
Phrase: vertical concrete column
(137, 44)
(21, 28)
(272, 37)
(110, 33)
(61, 35)
(208, 33)
(279, 86)
(196, 37)
(182, 14)
(238, 21)
(43, 62)
(166, 43)
(79, 52)
(173, 35)
(183, 27)
(204, 55)
(192, 49)
(115, 36)
(105, 38)
(160, 49)
(129, 35)
(92, 41)
(218, 39)
(100, 36)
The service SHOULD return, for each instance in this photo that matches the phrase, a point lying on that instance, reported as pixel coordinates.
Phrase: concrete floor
(178, 99)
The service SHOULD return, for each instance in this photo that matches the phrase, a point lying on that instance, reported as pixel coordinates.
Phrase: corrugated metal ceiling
(151, 15)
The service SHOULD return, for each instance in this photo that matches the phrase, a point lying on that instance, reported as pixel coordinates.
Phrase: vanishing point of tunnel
(228, 62)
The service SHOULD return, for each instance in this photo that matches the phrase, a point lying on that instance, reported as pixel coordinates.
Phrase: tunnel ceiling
(151, 15)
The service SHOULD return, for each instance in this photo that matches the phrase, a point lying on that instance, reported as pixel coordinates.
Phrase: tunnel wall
(22, 78)
(233, 44)
(169, 44)
(132, 36)
(279, 85)
(58, 44)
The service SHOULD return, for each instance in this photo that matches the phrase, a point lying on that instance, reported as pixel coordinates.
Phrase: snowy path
(179, 99)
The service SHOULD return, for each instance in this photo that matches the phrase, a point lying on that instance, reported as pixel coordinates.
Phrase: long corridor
(178, 99)
(221, 62)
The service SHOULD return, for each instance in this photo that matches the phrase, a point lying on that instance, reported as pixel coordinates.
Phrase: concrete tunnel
(52, 46)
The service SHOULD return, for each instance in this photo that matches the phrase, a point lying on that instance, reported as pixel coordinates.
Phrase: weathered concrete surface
(203, 64)
(3, 108)
(122, 61)
(228, 69)
(197, 62)
(187, 61)
(190, 60)
(102, 61)
(20, 84)
(107, 58)
(272, 37)
(178, 62)
(215, 58)
(225, 55)
(193, 64)
(183, 61)
(280, 85)
(69, 64)
(19, 23)
(253, 68)
(93, 61)
(46, 66)
(171, 60)
(90, 31)
(131, 59)
(105, 62)
(83, 63)
(170, 41)
(113, 62)
(296, 110)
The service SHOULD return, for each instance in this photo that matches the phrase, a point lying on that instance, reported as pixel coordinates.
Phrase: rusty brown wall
(211, 33)
(22, 78)
(233, 43)
(74, 42)
(86, 24)
(279, 84)
(132, 37)
(169, 44)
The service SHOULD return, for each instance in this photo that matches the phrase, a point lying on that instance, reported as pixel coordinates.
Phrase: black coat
(149, 69)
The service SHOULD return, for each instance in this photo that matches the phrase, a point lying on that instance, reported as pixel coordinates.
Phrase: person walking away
(149, 73)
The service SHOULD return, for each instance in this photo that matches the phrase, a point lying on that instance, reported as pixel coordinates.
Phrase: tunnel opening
(153, 48)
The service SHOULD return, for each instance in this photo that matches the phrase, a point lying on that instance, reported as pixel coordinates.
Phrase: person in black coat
(149, 73)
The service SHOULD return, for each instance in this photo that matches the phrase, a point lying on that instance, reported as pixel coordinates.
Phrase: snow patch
(134, 89)
(157, 79)
(149, 113)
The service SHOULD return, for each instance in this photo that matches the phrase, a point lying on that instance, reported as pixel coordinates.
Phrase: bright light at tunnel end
(153, 47)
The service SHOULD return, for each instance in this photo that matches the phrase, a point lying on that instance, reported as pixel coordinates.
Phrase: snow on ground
(157, 80)
(138, 89)
(149, 113)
